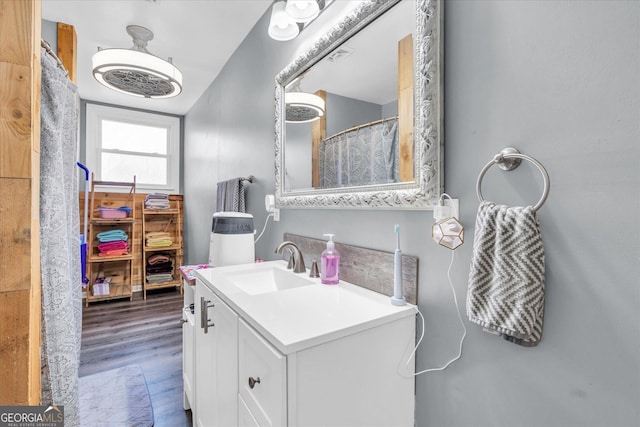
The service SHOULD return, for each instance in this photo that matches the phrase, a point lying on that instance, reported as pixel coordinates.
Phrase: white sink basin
(268, 279)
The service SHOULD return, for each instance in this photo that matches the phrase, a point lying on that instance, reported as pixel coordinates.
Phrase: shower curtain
(59, 240)
(363, 156)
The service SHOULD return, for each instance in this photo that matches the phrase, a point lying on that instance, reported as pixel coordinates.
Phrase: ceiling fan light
(137, 72)
(302, 10)
(303, 107)
(281, 26)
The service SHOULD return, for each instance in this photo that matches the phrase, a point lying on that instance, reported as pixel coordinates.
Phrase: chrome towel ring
(509, 159)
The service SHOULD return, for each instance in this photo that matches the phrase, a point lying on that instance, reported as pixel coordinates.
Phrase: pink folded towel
(156, 259)
(112, 246)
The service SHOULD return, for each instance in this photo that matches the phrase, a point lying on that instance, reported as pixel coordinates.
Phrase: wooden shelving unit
(118, 268)
(169, 221)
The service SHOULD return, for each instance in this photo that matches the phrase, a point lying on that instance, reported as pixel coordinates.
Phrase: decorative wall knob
(253, 382)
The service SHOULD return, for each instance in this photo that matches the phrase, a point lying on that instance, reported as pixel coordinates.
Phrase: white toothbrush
(397, 298)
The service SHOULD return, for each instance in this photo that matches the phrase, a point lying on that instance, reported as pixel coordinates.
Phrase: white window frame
(95, 114)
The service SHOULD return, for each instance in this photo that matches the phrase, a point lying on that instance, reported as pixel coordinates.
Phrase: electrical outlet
(270, 206)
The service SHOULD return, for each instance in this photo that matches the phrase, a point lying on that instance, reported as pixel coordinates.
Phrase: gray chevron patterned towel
(231, 196)
(506, 280)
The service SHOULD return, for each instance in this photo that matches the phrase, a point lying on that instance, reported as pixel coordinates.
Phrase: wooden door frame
(20, 292)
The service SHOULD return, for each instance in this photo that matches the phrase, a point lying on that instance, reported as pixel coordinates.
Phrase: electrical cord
(263, 228)
(455, 300)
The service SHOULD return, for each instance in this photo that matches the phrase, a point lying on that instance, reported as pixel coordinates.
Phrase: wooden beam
(20, 35)
(15, 234)
(405, 108)
(67, 48)
(14, 347)
(318, 133)
(15, 120)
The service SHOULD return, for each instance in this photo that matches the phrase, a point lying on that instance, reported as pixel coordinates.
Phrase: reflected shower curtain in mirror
(365, 155)
(59, 240)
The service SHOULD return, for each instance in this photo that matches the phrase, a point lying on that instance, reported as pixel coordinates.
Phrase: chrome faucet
(296, 254)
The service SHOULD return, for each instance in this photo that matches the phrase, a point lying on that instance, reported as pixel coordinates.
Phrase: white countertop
(306, 316)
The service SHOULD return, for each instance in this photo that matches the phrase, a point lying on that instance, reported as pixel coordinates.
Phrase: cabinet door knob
(182, 321)
(253, 382)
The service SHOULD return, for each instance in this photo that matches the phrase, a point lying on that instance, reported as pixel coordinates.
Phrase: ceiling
(200, 36)
(369, 69)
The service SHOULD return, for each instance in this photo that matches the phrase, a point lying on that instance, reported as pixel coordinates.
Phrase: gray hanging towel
(231, 196)
(506, 280)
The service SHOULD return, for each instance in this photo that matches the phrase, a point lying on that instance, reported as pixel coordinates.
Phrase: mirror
(377, 143)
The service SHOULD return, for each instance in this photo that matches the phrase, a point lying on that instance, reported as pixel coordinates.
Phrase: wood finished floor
(144, 333)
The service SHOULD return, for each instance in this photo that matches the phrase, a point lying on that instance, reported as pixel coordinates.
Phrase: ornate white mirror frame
(428, 123)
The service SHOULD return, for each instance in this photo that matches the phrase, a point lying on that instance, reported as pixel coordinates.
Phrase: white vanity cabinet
(245, 418)
(188, 347)
(216, 361)
(188, 357)
(262, 377)
(318, 355)
(352, 381)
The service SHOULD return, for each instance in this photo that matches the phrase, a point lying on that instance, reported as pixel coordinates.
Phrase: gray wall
(298, 161)
(558, 80)
(50, 33)
(390, 109)
(344, 113)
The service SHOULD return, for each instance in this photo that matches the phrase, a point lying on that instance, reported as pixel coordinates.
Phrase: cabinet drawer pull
(253, 382)
(205, 323)
(202, 313)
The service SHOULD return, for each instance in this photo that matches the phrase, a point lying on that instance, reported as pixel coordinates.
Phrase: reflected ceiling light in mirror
(282, 26)
(302, 107)
(290, 17)
(302, 10)
(135, 71)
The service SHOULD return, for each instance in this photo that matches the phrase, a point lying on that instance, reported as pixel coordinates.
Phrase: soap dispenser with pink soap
(330, 263)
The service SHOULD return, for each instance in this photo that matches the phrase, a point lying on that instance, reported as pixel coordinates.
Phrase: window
(122, 143)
